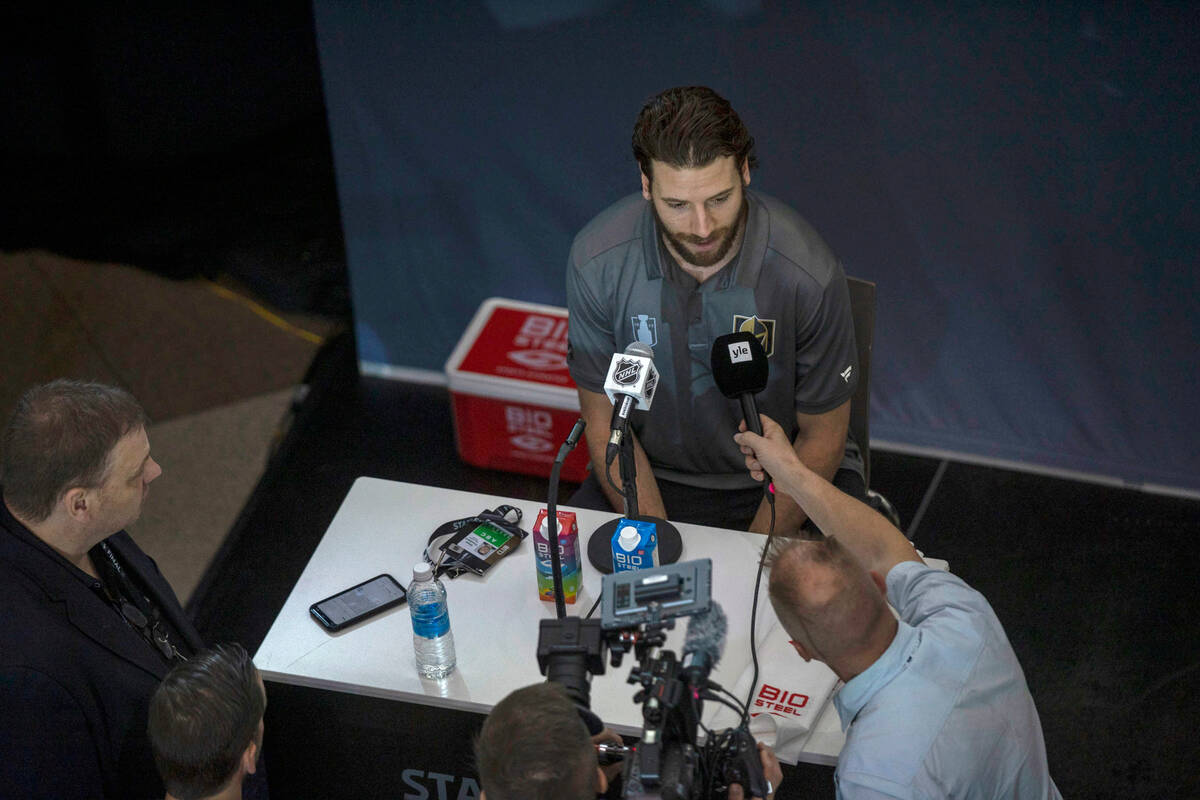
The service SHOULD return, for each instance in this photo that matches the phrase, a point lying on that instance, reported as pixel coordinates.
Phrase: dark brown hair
(534, 746)
(202, 717)
(690, 126)
(61, 435)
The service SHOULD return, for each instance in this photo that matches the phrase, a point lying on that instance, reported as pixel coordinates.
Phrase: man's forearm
(789, 516)
(861, 530)
(649, 498)
(597, 412)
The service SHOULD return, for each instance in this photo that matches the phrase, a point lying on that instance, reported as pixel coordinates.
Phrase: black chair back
(862, 308)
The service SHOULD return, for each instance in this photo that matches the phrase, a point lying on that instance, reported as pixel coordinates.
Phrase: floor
(214, 369)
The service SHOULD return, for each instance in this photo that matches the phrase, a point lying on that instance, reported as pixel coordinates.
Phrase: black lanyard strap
(141, 614)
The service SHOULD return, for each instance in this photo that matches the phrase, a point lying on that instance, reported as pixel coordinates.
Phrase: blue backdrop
(1020, 182)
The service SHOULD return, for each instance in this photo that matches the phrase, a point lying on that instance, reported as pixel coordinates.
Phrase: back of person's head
(203, 718)
(61, 436)
(824, 598)
(534, 746)
(688, 127)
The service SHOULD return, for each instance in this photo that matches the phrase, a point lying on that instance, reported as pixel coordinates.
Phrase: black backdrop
(1020, 181)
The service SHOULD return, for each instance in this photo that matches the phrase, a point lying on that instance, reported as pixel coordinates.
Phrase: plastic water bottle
(433, 643)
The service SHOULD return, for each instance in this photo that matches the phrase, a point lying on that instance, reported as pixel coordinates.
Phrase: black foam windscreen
(706, 634)
(739, 364)
(703, 644)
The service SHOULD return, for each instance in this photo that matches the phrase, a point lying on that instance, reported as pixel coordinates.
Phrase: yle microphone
(739, 366)
(630, 385)
(703, 644)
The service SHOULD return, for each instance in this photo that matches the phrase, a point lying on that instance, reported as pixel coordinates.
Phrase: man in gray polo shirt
(694, 256)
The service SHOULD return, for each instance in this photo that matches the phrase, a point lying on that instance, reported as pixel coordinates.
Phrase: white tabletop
(382, 526)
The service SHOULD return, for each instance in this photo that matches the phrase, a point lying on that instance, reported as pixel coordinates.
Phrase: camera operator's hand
(611, 771)
(771, 771)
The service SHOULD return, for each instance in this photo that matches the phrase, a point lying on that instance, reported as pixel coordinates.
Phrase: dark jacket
(75, 679)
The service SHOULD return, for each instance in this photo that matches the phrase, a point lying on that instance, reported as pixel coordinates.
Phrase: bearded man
(694, 256)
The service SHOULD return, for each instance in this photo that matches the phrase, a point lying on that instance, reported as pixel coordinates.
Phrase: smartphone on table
(358, 602)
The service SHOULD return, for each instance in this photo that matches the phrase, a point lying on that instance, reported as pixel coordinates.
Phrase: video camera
(638, 608)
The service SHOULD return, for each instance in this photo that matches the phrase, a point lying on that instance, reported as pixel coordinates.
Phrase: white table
(382, 526)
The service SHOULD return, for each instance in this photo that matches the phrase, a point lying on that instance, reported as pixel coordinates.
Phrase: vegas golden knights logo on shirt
(763, 330)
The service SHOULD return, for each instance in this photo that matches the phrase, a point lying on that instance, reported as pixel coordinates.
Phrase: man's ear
(745, 172)
(75, 503)
(645, 185)
(801, 650)
(601, 783)
(250, 758)
(880, 583)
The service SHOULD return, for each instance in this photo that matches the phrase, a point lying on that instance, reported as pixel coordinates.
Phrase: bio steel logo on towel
(780, 702)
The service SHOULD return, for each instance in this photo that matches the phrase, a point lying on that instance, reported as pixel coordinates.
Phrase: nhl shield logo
(645, 329)
(627, 371)
(763, 330)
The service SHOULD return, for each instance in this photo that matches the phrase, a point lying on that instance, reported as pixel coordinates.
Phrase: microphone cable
(552, 515)
(620, 490)
(762, 560)
(714, 692)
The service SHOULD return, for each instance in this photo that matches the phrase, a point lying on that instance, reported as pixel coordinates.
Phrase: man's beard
(680, 241)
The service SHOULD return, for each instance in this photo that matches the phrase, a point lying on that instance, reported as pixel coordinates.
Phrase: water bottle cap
(629, 537)
(422, 571)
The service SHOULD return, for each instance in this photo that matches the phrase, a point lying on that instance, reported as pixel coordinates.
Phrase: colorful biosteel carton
(634, 545)
(568, 548)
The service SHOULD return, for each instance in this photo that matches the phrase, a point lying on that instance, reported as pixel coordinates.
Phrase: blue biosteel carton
(634, 545)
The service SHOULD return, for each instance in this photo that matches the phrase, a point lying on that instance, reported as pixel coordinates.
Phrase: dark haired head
(203, 716)
(690, 126)
(534, 746)
(61, 436)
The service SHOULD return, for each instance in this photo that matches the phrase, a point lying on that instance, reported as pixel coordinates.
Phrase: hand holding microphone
(768, 452)
(739, 367)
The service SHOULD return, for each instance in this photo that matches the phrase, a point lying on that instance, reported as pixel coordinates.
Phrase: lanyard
(142, 615)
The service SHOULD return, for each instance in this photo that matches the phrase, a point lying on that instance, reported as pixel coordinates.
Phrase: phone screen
(358, 602)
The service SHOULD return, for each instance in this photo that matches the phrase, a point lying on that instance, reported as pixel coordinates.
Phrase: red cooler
(514, 402)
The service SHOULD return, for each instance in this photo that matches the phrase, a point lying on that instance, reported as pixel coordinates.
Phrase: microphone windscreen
(706, 634)
(739, 364)
(640, 349)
